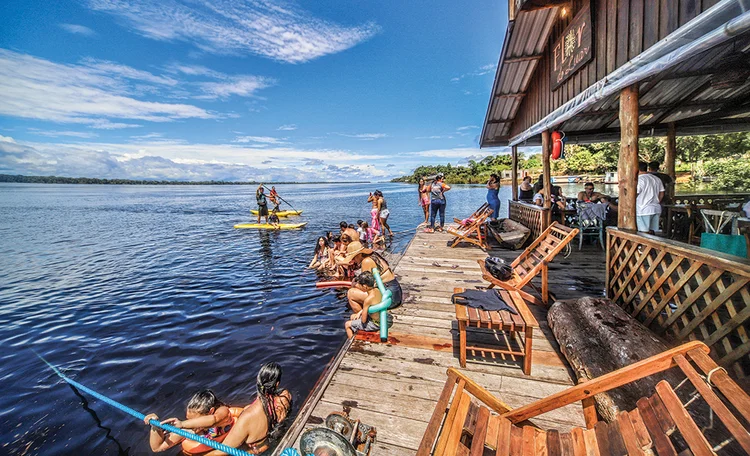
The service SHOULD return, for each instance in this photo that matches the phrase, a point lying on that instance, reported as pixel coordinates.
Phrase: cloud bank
(277, 30)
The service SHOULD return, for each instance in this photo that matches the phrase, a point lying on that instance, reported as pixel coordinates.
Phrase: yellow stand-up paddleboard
(280, 213)
(268, 226)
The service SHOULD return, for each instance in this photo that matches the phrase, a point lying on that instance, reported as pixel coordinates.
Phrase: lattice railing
(531, 216)
(683, 292)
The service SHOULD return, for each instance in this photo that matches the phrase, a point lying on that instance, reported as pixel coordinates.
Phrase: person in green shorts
(260, 197)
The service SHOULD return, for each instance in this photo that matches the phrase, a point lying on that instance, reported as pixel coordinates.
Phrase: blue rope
(182, 433)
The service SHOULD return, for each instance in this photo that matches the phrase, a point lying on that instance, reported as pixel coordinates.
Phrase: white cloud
(288, 127)
(57, 134)
(77, 29)
(242, 86)
(457, 153)
(435, 137)
(467, 127)
(180, 160)
(364, 136)
(259, 139)
(112, 69)
(7, 139)
(35, 88)
(278, 31)
(481, 71)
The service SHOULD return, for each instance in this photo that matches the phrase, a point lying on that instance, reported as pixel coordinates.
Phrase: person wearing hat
(437, 202)
(359, 257)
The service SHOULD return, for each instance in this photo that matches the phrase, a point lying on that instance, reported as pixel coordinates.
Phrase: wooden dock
(395, 386)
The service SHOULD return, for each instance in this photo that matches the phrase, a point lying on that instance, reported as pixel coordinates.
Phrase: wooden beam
(670, 157)
(547, 178)
(523, 58)
(514, 172)
(627, 166)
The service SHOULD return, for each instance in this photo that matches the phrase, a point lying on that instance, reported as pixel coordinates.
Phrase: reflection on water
(147, 294)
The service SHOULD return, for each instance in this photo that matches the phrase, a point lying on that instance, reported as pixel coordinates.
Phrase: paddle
(279, 197)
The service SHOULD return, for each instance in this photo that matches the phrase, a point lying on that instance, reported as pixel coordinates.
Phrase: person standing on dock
(437, 202)
(260, 198)
(648, 202)
(666, 179)
(383, 212)
(493, 188)
(525, 190)
(424, 200)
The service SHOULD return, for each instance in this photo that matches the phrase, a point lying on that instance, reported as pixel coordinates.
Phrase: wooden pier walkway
(395, 386)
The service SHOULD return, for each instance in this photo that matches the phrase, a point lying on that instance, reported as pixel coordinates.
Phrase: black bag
(498, 268)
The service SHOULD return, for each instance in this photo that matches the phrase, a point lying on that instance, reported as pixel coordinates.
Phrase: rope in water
(182, 433)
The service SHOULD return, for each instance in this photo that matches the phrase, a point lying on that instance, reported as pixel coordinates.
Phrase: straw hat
(352, 250)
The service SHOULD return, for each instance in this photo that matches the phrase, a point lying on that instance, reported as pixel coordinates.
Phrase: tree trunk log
(627, 166)
(546, 172)
(598, 337)
(514, 173)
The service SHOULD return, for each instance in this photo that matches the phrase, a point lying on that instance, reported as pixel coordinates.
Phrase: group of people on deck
(433, 202)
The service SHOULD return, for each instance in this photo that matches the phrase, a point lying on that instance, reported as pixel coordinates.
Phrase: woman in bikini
(375, 211)
(424, 200)
(260, 421)
(383, 213)
(321, 258)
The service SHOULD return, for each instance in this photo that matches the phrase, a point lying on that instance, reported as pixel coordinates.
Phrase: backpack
(498, 268)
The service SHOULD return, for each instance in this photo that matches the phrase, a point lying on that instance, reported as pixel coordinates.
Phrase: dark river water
(147, 294)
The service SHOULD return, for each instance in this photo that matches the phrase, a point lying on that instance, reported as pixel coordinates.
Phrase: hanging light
(564, 12)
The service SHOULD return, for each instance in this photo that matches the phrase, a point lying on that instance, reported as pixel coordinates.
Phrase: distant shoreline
(18, 179)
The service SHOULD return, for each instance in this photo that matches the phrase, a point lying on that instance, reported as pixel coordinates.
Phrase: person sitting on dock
(321, 258)
(588, 195)
(366, 259)
(261, 420)
(362, 320)
(349, 231)
(206, 415)
(539, 196)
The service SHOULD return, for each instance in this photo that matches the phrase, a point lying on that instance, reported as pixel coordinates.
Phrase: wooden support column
(547, 177)
(514, 172)
(670, 158)
(627, 166)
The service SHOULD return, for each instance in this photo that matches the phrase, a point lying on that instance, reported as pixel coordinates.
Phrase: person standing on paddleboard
(274, 197)
(260, 197)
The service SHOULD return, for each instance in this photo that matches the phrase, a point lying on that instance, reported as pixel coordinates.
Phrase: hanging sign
(573, 49)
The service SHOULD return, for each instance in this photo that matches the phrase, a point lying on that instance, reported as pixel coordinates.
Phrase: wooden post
(627, 166)
(547, 178)
(514, 172)
(670, 157)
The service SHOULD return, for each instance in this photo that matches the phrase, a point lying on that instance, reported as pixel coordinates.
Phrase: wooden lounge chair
(659, 424)
(534, 261)
(476, 213)
(513, 326)
(473, 231)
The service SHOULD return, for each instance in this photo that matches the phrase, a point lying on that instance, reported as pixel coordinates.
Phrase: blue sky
(241, 90)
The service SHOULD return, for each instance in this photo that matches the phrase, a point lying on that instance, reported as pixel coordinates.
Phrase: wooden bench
(515, 328)
(469, 420)
(534, 261)
(473, 231)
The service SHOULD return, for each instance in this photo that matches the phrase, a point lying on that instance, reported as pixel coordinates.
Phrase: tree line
(91, 180)
(724, 158)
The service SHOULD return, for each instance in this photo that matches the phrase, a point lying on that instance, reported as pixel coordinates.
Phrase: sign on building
(573, 49)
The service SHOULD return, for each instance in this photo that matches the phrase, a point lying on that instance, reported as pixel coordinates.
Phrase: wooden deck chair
(469, 420)
(534, 261)
(474, 215)
(473, 231)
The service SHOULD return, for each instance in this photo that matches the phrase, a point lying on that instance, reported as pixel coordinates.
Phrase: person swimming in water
(261, 420)
(206, 416)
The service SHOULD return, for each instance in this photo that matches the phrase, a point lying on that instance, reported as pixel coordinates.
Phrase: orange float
(558, 144)
(192, 447)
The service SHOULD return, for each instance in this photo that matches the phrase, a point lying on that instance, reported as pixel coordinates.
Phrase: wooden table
(511, 326)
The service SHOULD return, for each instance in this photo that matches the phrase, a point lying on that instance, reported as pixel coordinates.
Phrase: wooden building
(608, 70)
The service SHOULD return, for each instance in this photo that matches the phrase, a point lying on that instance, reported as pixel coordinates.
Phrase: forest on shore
(723, 159)
(91, 180)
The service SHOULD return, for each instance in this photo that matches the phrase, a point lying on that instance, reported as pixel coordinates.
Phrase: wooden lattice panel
(531, 216)
(683, 293)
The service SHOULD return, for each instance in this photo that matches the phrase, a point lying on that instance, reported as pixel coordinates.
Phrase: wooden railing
(532, 216)
(682, 293)
(711, 198)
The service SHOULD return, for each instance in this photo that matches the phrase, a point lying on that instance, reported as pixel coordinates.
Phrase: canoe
(510, 234)
(268, 226)
(280, 213)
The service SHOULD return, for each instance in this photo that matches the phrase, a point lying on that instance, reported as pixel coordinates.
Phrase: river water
(147, 294)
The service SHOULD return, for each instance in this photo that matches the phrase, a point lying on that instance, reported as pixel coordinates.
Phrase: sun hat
(352, 250)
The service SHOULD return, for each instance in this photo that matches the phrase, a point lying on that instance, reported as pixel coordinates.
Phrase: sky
(244, 90)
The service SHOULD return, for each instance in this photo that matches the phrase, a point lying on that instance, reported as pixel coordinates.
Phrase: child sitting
(362, 320)
(321, 259)
(273, 219)
(371, 236)
(206, 415)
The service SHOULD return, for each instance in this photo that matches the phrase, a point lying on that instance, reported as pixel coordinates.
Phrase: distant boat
(565, 179)
(611, 178)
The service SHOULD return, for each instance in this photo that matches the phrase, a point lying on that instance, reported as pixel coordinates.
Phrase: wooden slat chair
(473, 231)
(534, 261)
(469, 420)
(512, 326)
(474, 215)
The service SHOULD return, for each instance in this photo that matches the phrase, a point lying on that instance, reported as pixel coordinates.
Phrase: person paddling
(260, 197)
(274, 197)
(261, 420)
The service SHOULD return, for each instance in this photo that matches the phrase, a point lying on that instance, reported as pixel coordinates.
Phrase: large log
(627, 165)
(598, 337)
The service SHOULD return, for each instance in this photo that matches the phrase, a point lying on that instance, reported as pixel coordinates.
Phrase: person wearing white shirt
(648, 202)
